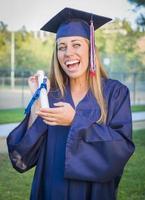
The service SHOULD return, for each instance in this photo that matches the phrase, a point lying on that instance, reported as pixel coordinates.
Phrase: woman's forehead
(70, 39)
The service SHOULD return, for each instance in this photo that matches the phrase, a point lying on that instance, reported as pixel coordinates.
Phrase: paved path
(5, 129)
(19, 98)
(138, 118)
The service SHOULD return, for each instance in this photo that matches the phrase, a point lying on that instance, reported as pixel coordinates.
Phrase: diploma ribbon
(36, 96)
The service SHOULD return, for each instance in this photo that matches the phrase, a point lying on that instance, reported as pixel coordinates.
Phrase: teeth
(71, 62)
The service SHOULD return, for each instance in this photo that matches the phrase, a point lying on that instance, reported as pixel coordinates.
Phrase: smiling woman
(80, 144)
(73, 56)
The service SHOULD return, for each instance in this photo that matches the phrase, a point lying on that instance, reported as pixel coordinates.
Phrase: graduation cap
(72, 22)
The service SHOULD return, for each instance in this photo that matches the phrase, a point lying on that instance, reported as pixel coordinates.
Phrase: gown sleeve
(99, 152)
(24, 145)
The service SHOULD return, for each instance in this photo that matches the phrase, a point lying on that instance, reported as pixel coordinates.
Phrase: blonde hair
(58, 79)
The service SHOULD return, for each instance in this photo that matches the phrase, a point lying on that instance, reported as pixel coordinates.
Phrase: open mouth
(72, 64)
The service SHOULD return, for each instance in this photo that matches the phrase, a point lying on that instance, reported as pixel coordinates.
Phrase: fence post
(3, 81)
(22, 98)
(134, 88)
(12, 59)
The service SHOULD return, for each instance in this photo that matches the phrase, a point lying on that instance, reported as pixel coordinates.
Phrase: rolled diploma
(43, 93)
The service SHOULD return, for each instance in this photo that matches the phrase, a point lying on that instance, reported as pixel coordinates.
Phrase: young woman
(80, 144)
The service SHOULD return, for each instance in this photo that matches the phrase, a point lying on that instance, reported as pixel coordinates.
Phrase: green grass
(17, 114)
(132, 186)
(138, 108)
(15, 186)
(11, 115)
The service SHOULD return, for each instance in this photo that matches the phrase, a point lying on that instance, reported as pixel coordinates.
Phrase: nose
(69, 51)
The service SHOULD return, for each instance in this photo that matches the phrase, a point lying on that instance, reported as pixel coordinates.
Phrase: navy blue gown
(84, 161)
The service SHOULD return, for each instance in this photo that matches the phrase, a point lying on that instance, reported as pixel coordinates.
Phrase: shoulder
(112, 83)
(115, 88)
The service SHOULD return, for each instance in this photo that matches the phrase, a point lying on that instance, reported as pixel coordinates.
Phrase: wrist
(37, 105)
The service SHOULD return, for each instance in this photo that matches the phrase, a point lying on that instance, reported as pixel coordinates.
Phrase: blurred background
(24, 49)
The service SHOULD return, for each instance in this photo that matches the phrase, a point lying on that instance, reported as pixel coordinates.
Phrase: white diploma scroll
(43, 93)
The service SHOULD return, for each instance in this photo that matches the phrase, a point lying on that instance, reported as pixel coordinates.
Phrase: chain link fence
(19, 95)
(136, 84)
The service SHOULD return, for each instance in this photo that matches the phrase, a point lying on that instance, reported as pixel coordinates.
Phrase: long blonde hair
(58, 80)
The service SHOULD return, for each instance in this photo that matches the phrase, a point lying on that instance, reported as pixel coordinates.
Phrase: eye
(76, 45)
(61, 48)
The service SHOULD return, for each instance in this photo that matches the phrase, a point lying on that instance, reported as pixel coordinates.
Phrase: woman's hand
(33, 83)
(63, 114)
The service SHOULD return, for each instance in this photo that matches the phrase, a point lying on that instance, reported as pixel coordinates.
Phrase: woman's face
(73, 55)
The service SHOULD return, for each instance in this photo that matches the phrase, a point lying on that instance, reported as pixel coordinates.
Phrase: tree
(117, 43)
(121, 47)
(140, 4)
(4, 46)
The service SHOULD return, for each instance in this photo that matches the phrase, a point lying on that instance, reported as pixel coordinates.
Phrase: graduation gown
(83, 161)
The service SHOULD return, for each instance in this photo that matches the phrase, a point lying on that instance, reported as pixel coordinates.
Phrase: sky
(35, 13)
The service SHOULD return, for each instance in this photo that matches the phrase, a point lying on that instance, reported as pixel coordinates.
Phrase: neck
(79, 84)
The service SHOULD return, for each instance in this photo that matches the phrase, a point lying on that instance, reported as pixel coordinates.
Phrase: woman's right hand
(33, 83)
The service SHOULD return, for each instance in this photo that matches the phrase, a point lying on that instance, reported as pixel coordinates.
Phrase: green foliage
(100, 41)
(30, 53)
(4, 36)
(141, 17)
(121, 47)
(138, 2)
(116, 41)
(33, 54)
(4, 45)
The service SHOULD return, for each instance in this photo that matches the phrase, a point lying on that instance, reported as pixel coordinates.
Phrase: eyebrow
(76, 40)
(63, 43)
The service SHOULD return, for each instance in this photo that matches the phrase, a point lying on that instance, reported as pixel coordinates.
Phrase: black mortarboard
(72, 22)
(68, 14)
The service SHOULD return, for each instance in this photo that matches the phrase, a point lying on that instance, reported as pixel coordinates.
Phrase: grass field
(11, 115)
(132, 186)
(17, 114)
(15, 186)
(138, 108)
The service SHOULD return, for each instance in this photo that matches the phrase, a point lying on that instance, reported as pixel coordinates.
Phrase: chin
(75, 75)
